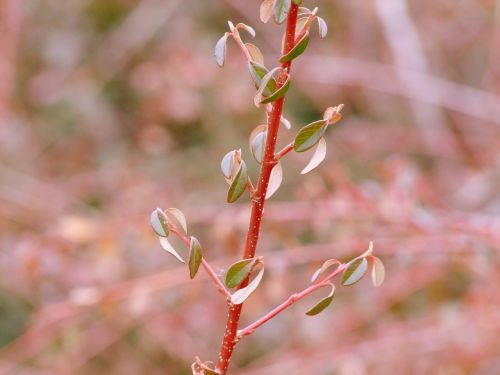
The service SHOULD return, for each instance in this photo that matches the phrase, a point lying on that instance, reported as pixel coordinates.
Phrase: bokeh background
(110, 108)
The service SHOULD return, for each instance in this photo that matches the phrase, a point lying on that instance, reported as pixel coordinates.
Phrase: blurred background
(111, 108)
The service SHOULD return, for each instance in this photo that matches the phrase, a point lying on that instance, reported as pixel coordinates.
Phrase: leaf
(195, 256)
(355, 270)
(258, 72)
(159, 223)
(263, 84)
(239, 271)
(317, 158)
(280, 10)
(168, 247)
(327, 264)
(255, 53)
(278, 94)
(258, 146)
(177, 217)
(297, 2)
(242, 294)
(332, 114)
(208, 371)
(274, 180)
(378, 271)
(323, 304)
(266, 10)
(309, 135)
(230, 164)
(220, 50)
(322, 27)
(285, 123)
(231, 26)
(239, 184)
(297, 50)
(248, 29)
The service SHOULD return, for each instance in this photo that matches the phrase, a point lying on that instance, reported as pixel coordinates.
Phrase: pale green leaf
(278, 94)
(258, 146)
(323, 304)
(239, 184)
(355, 270)
(263, 84)
(242, 294)
(281, 9)
(258, 72)
(309, 135)
(322, 26)
(195, 256)
(159, 223)
(239, 271)
(297, 50)
(247, 28)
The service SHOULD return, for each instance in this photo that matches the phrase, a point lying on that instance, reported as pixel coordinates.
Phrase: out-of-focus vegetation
(110, 108)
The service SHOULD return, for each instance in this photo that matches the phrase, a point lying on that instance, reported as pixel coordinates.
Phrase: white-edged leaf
(239, 184)
(281, 9)
(322, 27)
(258, 129)
(248, 29)
(297, 50)
(378, 271)
(231, 26)
(263, 84)
(259, 146)
(355, 270)
(266, 10)
(159, 223)
(195, 256)
(220, 50)
(285, 123)
(227, 164)
(239, 271)
(317, 158)
(274, 180)
(278, 94)
(327, 264)
(255, 53)
(242, 294)
(309, 135)
(323, 304)
(257, 72)
(303, 11)
(177, 217)
(168, 248)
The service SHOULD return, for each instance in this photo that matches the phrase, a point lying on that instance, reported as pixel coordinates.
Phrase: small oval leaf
(327, 264)
(248, 29)
(159, 223)
(263, 84)
(323, 304)
(281, 9)
(355, 270)
(322, 26)
(275, 180)
(177, 217)
(227, 164)
(195, 256)
(258, 146)
(297, 50)
(238, 272)
(317, 158)
(258, 72)
(239, 184)
(168, 248)
(255, 53)
(378, 271)
(220, 50)
(309, 135)
(266, 10)
(242, 294)
(278, 94)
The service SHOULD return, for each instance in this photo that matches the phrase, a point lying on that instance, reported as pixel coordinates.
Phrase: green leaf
(258, 98)
(309, 135)
(169, 249)
(258, 72)
(297, 50)
(239, 271)
(176, 217)
(278, 94)
(220, 50)
(323, 304)
(281, 9)
(355, 270)
(159, 223)
(297, 2)
(239, 184)
(378, 270)
(195, 256)
(242, 294)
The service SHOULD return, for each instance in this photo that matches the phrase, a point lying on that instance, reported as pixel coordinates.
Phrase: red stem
(268, 162)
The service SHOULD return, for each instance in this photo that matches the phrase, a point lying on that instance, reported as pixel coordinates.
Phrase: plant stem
(268, 162)
(290, 301)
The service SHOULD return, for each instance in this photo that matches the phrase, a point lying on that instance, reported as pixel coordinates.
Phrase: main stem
(268, 162)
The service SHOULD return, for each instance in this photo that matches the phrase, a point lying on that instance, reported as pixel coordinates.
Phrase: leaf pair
(160, 221)
(277, 8)
(278, 93)
(357, 268)
(221, 45)
(235, 172)
(241, 271)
